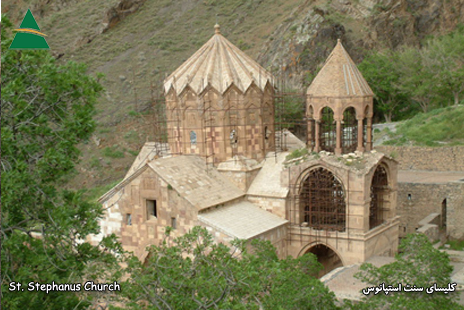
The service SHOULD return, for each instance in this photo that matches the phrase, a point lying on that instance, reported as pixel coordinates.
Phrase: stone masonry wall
(276, 236)
(416, 201)
(426, 158)
(274, 205)
(143, 229)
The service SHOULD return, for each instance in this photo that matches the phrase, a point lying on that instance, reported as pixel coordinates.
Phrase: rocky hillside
(136, 43)
(302, 42)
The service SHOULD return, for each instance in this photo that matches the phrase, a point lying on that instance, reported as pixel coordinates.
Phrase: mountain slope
(136, 43)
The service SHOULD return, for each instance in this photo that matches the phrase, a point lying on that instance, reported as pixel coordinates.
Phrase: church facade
(335, 198)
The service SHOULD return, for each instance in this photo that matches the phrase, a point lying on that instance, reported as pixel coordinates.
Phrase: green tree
(193, 272)
(416, 80)
(47, 110)
(290, 112)
(444, 58)
(383, 75)
(419, 264)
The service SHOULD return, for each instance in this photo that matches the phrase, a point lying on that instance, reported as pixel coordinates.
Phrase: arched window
(328, 130)
(193, 138)
(379, 192)
(322, 201)
(350, 131)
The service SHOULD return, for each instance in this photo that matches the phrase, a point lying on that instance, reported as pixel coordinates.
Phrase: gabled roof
(220, 64)
(242, 220)
(149, 151)
(200, 185)
(339, 77)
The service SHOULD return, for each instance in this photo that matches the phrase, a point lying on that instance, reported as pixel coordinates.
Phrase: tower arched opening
(328, 138)
(349, 131)
(322, 201)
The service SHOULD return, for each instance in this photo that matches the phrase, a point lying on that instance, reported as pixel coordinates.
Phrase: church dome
(220, 64)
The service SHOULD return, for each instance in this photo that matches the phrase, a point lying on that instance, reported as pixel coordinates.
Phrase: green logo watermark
(29, 36)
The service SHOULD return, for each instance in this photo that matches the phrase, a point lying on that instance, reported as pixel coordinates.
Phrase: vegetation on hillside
(439, 127)
(288, 37)
(410, 80)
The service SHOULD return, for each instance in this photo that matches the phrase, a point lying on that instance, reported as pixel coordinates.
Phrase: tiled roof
(241, 220)
(220, 64)
(339, 77)
(202, 186)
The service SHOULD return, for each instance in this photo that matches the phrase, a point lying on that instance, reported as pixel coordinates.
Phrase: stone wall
(276, 236)
(241, 178)
(426, 158)
(143, 229)
(430, 226)
(416, 201)
(219, 127)
(350, 248)
(274, 205)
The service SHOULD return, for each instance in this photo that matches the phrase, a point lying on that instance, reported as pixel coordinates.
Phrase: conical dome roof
(339, 77)
(220, 64)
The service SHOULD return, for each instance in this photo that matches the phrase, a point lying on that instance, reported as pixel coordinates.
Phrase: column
(317, 147)
(360, 136)
(369, 134)
(338, 135)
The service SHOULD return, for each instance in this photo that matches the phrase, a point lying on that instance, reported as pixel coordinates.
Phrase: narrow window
(151, 209)
(173, 223)
(233, 137)
(193, 138)
(129, 219)
(443, 213)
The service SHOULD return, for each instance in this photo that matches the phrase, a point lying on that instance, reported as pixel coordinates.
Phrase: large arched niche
(379, 192)
(328, 257)
(321, 200)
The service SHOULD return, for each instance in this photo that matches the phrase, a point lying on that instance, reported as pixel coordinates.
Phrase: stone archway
(327, 257)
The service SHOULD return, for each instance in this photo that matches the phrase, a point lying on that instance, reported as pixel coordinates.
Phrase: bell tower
(339, 107)
(343, 206)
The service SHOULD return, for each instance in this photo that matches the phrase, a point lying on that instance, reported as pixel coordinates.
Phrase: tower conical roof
(339, 77)
(220, 64)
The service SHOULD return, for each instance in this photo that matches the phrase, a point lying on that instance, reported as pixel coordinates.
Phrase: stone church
(224, 170)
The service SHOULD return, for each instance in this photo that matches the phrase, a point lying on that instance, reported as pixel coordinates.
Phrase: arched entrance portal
(327, 257)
